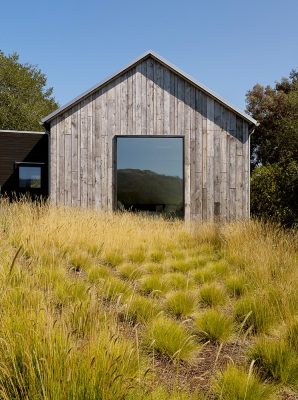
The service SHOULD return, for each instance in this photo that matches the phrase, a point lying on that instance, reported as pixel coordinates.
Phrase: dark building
(23, 163)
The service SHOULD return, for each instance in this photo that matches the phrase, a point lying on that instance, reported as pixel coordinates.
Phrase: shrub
(236, 384)
(170, 338)
(214, 326)
(211, 295)
(275, 359)
(254, 314)
(181, 303)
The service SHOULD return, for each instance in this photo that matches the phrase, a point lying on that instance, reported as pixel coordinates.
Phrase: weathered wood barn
(106, 148)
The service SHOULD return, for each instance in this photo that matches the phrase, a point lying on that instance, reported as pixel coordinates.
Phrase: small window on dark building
(29, 176)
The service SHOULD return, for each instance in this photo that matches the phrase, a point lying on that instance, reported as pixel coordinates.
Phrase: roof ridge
(167, 64)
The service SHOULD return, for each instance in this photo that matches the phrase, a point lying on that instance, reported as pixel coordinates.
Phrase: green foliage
(214, 326)
(274, 151)
(275, 359)
(276, 111)
(24, 98)
(236, 384)
(274, 192)
(181, 303)
(169, 338)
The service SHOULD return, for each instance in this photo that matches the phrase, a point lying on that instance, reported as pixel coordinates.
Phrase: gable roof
(165, 63)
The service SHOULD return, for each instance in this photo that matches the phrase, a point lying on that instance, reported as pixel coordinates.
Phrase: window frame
(29, 164)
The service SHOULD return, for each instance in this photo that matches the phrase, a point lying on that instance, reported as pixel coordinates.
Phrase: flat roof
(13, 131)
(168, 65)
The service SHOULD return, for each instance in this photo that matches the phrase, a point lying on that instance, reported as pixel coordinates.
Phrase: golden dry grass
(84, 296)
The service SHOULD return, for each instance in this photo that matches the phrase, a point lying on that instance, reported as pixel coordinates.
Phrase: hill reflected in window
(150, 175)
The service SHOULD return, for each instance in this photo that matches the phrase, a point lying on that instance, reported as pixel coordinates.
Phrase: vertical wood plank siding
(150, 99)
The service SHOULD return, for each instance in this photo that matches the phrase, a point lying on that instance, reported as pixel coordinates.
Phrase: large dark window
(150, 175)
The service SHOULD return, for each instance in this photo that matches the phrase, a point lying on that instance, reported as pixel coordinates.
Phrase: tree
(24, 97)
(276, 110)
(274, 149)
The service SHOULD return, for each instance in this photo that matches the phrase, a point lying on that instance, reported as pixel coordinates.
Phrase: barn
(150, 138)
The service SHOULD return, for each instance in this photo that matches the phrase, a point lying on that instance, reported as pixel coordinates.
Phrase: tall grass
(90, 304)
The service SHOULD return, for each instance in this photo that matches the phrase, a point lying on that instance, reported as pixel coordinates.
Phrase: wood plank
(61, 160)
(150, 97)
(53, 162)
(74, 156)
(210, 158)
(84, 154)
(138, 100)
(144, 98)
(166, 101)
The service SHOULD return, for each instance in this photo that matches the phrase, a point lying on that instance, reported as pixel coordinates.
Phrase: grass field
(119, 306)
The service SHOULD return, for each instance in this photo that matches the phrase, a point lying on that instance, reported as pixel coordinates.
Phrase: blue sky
(228, 45)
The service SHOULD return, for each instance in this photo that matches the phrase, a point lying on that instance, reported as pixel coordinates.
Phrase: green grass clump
(254, 314)
(214, 326)
(181, 303)
(236, 286)
(292, 335)
(176, 280)
(184, 265)
(211, 295)
(204, 275)
(141, 309)
(219, 267)
(137, 256)
(113, 258)
(80, 261)
(236, 384)
(275, 359)
(152, 284)
(170, 339)
(130, 271)
(97, 273)
(114, 288)
(157, 256)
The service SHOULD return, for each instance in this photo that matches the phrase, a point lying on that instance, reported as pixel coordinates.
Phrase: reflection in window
(29, 177)
(150, 175)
